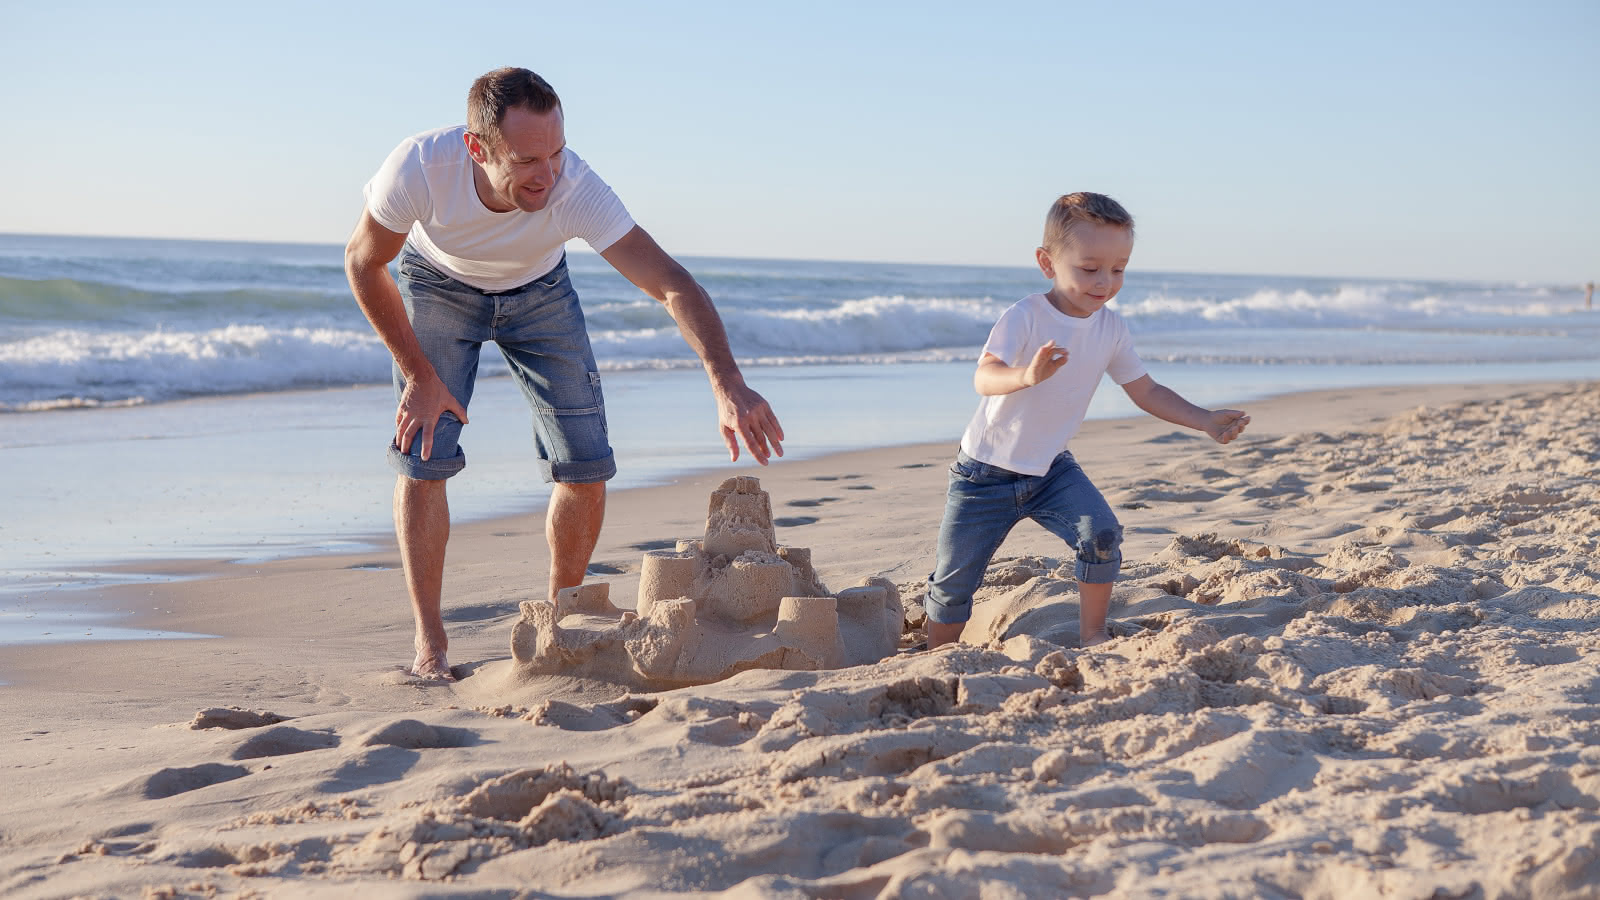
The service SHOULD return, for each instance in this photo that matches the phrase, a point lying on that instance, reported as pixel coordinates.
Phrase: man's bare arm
(366, 263)
(1164, 403)
(741, 412)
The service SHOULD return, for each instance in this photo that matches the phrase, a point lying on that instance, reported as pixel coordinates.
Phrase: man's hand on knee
(423, 401)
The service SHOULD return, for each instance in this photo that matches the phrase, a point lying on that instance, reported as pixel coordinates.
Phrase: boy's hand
(1226, 424)
(1046, 362)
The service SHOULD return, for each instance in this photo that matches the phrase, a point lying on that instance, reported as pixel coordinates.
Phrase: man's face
(523, 167)
(1087, 272)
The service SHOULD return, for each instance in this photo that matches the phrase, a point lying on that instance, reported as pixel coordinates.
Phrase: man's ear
(1046, 265)
(475, 148)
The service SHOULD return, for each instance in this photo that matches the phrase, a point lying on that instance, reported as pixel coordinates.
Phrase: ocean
(191, 399)
(94, 322)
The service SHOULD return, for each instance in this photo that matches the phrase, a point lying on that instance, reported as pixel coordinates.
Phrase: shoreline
(129, 584)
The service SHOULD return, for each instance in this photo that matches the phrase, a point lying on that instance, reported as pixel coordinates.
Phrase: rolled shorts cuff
(414, 466)
(1098, 572)
(586, 471)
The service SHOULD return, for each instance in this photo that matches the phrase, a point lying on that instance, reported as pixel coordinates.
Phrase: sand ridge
(1372, 672)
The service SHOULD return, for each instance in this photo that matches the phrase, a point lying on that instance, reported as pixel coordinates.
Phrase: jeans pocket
(412, 270)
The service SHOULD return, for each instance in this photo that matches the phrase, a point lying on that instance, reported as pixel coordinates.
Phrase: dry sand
(1357, 656)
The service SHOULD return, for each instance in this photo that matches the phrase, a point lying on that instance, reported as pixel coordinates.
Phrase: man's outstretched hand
(743, 413)
(1226, 424)
(421, 403)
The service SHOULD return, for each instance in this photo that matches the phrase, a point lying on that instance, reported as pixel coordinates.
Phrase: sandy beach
(1355, 656)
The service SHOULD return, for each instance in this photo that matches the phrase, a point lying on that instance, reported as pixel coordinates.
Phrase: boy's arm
(1164, 403)
(994, 377)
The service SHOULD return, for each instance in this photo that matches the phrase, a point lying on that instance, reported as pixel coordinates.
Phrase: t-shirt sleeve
(1009, 337)
(594, 212)
(1125, 365)
(398, 195)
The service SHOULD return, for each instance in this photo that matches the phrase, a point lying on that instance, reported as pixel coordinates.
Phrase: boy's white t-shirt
(425, 189)
(1025, 430)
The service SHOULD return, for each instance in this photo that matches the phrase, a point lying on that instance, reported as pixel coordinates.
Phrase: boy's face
(1086, 272)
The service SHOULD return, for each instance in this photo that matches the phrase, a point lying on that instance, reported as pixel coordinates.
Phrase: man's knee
(589, 491)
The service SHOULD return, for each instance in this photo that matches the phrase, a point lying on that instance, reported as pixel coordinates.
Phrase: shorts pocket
(412, 270)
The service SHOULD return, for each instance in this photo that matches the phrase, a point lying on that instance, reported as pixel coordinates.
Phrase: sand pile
(1375, 671)
(733, 601)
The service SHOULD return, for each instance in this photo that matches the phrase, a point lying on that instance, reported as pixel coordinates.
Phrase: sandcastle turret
(738, 571)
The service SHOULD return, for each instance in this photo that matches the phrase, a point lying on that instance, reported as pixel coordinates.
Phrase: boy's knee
(1099, 539)
(1099, 550)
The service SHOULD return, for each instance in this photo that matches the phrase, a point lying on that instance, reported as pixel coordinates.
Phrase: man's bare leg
(422, 525)
(1093, 602)
(572, 527)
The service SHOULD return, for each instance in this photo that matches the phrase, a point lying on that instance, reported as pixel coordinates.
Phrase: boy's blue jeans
(985, 502)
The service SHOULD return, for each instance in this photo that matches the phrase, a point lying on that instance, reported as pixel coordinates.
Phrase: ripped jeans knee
(1099, 547)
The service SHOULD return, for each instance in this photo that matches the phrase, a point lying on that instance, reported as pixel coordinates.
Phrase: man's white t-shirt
(425, 189)
(1025, 430)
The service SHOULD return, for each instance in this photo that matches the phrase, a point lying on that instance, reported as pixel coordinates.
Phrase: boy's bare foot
(431, 664)
(1098, 637)
(940, 633)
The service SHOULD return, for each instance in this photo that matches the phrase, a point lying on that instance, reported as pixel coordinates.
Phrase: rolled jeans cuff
(952, 614)
(1098, 572)
(414, 466)
(586, 471)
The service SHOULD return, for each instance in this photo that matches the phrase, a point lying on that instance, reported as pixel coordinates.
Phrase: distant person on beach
(479, 215)
(1036, 376)
(1588, 295)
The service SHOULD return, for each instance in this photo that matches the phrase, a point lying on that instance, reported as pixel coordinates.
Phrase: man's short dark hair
(495, 92)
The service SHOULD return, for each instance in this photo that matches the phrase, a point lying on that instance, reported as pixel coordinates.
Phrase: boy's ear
(1046, 265)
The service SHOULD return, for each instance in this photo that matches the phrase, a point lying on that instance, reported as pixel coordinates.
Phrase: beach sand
(1357, 656)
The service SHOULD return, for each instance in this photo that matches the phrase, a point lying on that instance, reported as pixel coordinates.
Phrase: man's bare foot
(940, 633)
(431, 664)
(1098, 637)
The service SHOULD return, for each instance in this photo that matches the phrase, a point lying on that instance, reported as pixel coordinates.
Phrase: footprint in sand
(477, 612)
(282, 741)
(794, 521)
(374, 566)
(817, 502)
(370, 766)
(171, 782)
(915, 466)
(414, 735)
(1172, 437)
(233, 718)
(669, 544)
(859, 487)
(601, 568)
(387, 753)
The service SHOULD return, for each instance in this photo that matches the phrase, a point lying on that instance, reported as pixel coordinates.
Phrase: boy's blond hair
(1081, 206)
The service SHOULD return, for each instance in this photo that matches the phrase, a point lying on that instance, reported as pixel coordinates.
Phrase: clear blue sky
(1449, 139)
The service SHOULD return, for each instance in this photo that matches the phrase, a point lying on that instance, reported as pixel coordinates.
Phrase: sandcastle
(709, 608)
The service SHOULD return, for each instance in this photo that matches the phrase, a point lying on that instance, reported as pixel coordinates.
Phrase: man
(481, 214)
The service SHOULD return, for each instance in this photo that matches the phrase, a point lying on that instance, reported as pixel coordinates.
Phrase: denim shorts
(985, 502)
(540, 331)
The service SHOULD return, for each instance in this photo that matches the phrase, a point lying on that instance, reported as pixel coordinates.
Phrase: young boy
(1036, 375)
